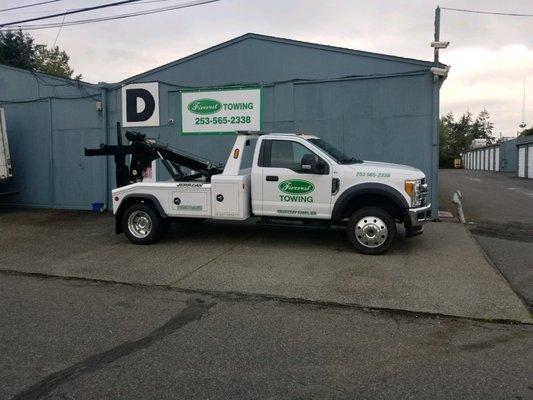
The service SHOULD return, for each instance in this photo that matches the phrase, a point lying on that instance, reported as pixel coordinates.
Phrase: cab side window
(287, 154)
(283, 154)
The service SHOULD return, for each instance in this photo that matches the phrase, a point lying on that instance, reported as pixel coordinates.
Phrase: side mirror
(308, 163)
(313, 165)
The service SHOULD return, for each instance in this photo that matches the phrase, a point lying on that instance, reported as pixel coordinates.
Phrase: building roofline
(41, 74)
(521, 140)
(230, 42)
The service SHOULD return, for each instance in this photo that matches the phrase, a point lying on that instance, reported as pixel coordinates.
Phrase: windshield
(333, 152)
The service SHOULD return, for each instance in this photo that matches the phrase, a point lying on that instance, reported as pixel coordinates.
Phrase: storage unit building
(374, 106)
(484, 159)
(508, 156)
(525, 157)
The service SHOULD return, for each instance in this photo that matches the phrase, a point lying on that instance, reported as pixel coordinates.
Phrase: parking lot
(498, 208)
(441, 272)
(245, 311)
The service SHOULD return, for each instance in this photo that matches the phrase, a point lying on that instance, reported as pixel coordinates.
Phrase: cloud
(492, 79)
(489, 55)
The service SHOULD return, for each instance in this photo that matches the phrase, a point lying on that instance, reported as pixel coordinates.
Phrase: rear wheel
(142, 224)
(371, 230)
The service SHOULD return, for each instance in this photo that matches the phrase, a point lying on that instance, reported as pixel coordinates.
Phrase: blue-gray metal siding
(376, 108)
(49, 122)
(508, 156)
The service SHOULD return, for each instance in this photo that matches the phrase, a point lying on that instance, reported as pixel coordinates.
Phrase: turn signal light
(236, 153)
(409, 188)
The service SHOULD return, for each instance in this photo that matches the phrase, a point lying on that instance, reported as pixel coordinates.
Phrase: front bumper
(415, 218)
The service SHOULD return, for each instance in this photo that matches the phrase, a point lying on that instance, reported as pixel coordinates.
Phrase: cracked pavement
(233, 311)
(76, 339)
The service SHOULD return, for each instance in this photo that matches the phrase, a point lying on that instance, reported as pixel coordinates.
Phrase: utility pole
(437, 36)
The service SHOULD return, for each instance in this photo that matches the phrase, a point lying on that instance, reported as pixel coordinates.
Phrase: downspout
(105, 138)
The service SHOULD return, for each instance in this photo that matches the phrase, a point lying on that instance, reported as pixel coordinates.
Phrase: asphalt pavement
(442, 271)
(69, 339)
(499, 210)
(228, 311)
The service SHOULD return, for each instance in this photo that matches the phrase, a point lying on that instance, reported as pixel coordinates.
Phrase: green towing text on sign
(221, 111)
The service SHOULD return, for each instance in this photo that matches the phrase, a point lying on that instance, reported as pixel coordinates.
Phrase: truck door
(290, 190)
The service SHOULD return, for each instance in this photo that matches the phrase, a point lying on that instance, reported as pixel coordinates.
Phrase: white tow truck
(292, 177)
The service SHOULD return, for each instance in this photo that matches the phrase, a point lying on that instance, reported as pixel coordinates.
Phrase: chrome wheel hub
(371, 231)
(139, 224)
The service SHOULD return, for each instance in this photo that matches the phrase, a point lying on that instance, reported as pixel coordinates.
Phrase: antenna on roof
(523, 123)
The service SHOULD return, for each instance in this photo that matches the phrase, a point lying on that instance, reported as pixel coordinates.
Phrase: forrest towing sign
(221, 111)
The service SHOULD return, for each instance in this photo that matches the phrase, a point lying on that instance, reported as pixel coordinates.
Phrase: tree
(19, 50)
(53, 61)
(456, 136)
(527, 132)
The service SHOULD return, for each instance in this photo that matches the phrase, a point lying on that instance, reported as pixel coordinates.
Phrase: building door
(522, 161)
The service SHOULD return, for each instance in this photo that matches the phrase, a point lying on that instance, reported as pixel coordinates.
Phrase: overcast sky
(489, 55)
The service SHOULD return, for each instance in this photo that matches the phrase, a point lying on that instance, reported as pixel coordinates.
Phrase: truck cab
(292, 177)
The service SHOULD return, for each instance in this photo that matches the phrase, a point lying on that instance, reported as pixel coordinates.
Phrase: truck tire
(142, 224)
(371, 230)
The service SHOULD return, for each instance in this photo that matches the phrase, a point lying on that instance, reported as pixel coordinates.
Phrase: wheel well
(372, 200)
(126, 203)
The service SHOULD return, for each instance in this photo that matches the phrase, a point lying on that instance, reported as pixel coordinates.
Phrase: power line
(114, 17)
(69, 12)
(140, 3)
(59, 31)
(30, 5)
(486, 12)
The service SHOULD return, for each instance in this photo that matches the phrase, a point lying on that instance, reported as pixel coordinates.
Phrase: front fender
(339, 208)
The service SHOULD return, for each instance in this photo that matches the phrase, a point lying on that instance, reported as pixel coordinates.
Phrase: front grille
(423, 195)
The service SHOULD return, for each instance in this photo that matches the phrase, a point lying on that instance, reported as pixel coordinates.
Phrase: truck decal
(296, 186)
(296, 212)
(373, 174)
(186, 207)
(300, 199)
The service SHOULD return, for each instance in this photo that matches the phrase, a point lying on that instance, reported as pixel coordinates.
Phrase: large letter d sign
(140, 104)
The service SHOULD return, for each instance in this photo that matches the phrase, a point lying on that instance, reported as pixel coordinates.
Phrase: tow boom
(144, 150)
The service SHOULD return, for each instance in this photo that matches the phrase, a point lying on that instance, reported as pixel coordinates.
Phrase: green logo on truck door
(204, 106)
(296, 186)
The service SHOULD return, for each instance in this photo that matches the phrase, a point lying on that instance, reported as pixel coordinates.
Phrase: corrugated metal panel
(522, 161)
(530, 161)
(48, 128)
(383, 118)
(509, 156)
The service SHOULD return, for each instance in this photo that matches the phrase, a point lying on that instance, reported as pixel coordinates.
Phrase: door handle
(272, 178)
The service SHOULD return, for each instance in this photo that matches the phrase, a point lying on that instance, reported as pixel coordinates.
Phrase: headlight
(416, 189)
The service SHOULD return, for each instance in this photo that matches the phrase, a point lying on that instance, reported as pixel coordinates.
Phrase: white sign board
(221, 111)
(140, 104)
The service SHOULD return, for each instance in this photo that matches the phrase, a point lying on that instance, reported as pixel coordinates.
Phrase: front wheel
(142, 224)
(371, 230)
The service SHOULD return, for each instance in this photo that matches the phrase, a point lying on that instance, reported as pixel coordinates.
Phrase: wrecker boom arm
(143, 151)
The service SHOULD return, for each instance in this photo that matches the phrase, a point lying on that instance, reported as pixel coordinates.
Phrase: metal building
(525, 157)
(375, 106)
(497, 157)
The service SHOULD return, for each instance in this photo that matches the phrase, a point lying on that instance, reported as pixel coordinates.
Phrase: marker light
(236, 153)
(409, 187)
